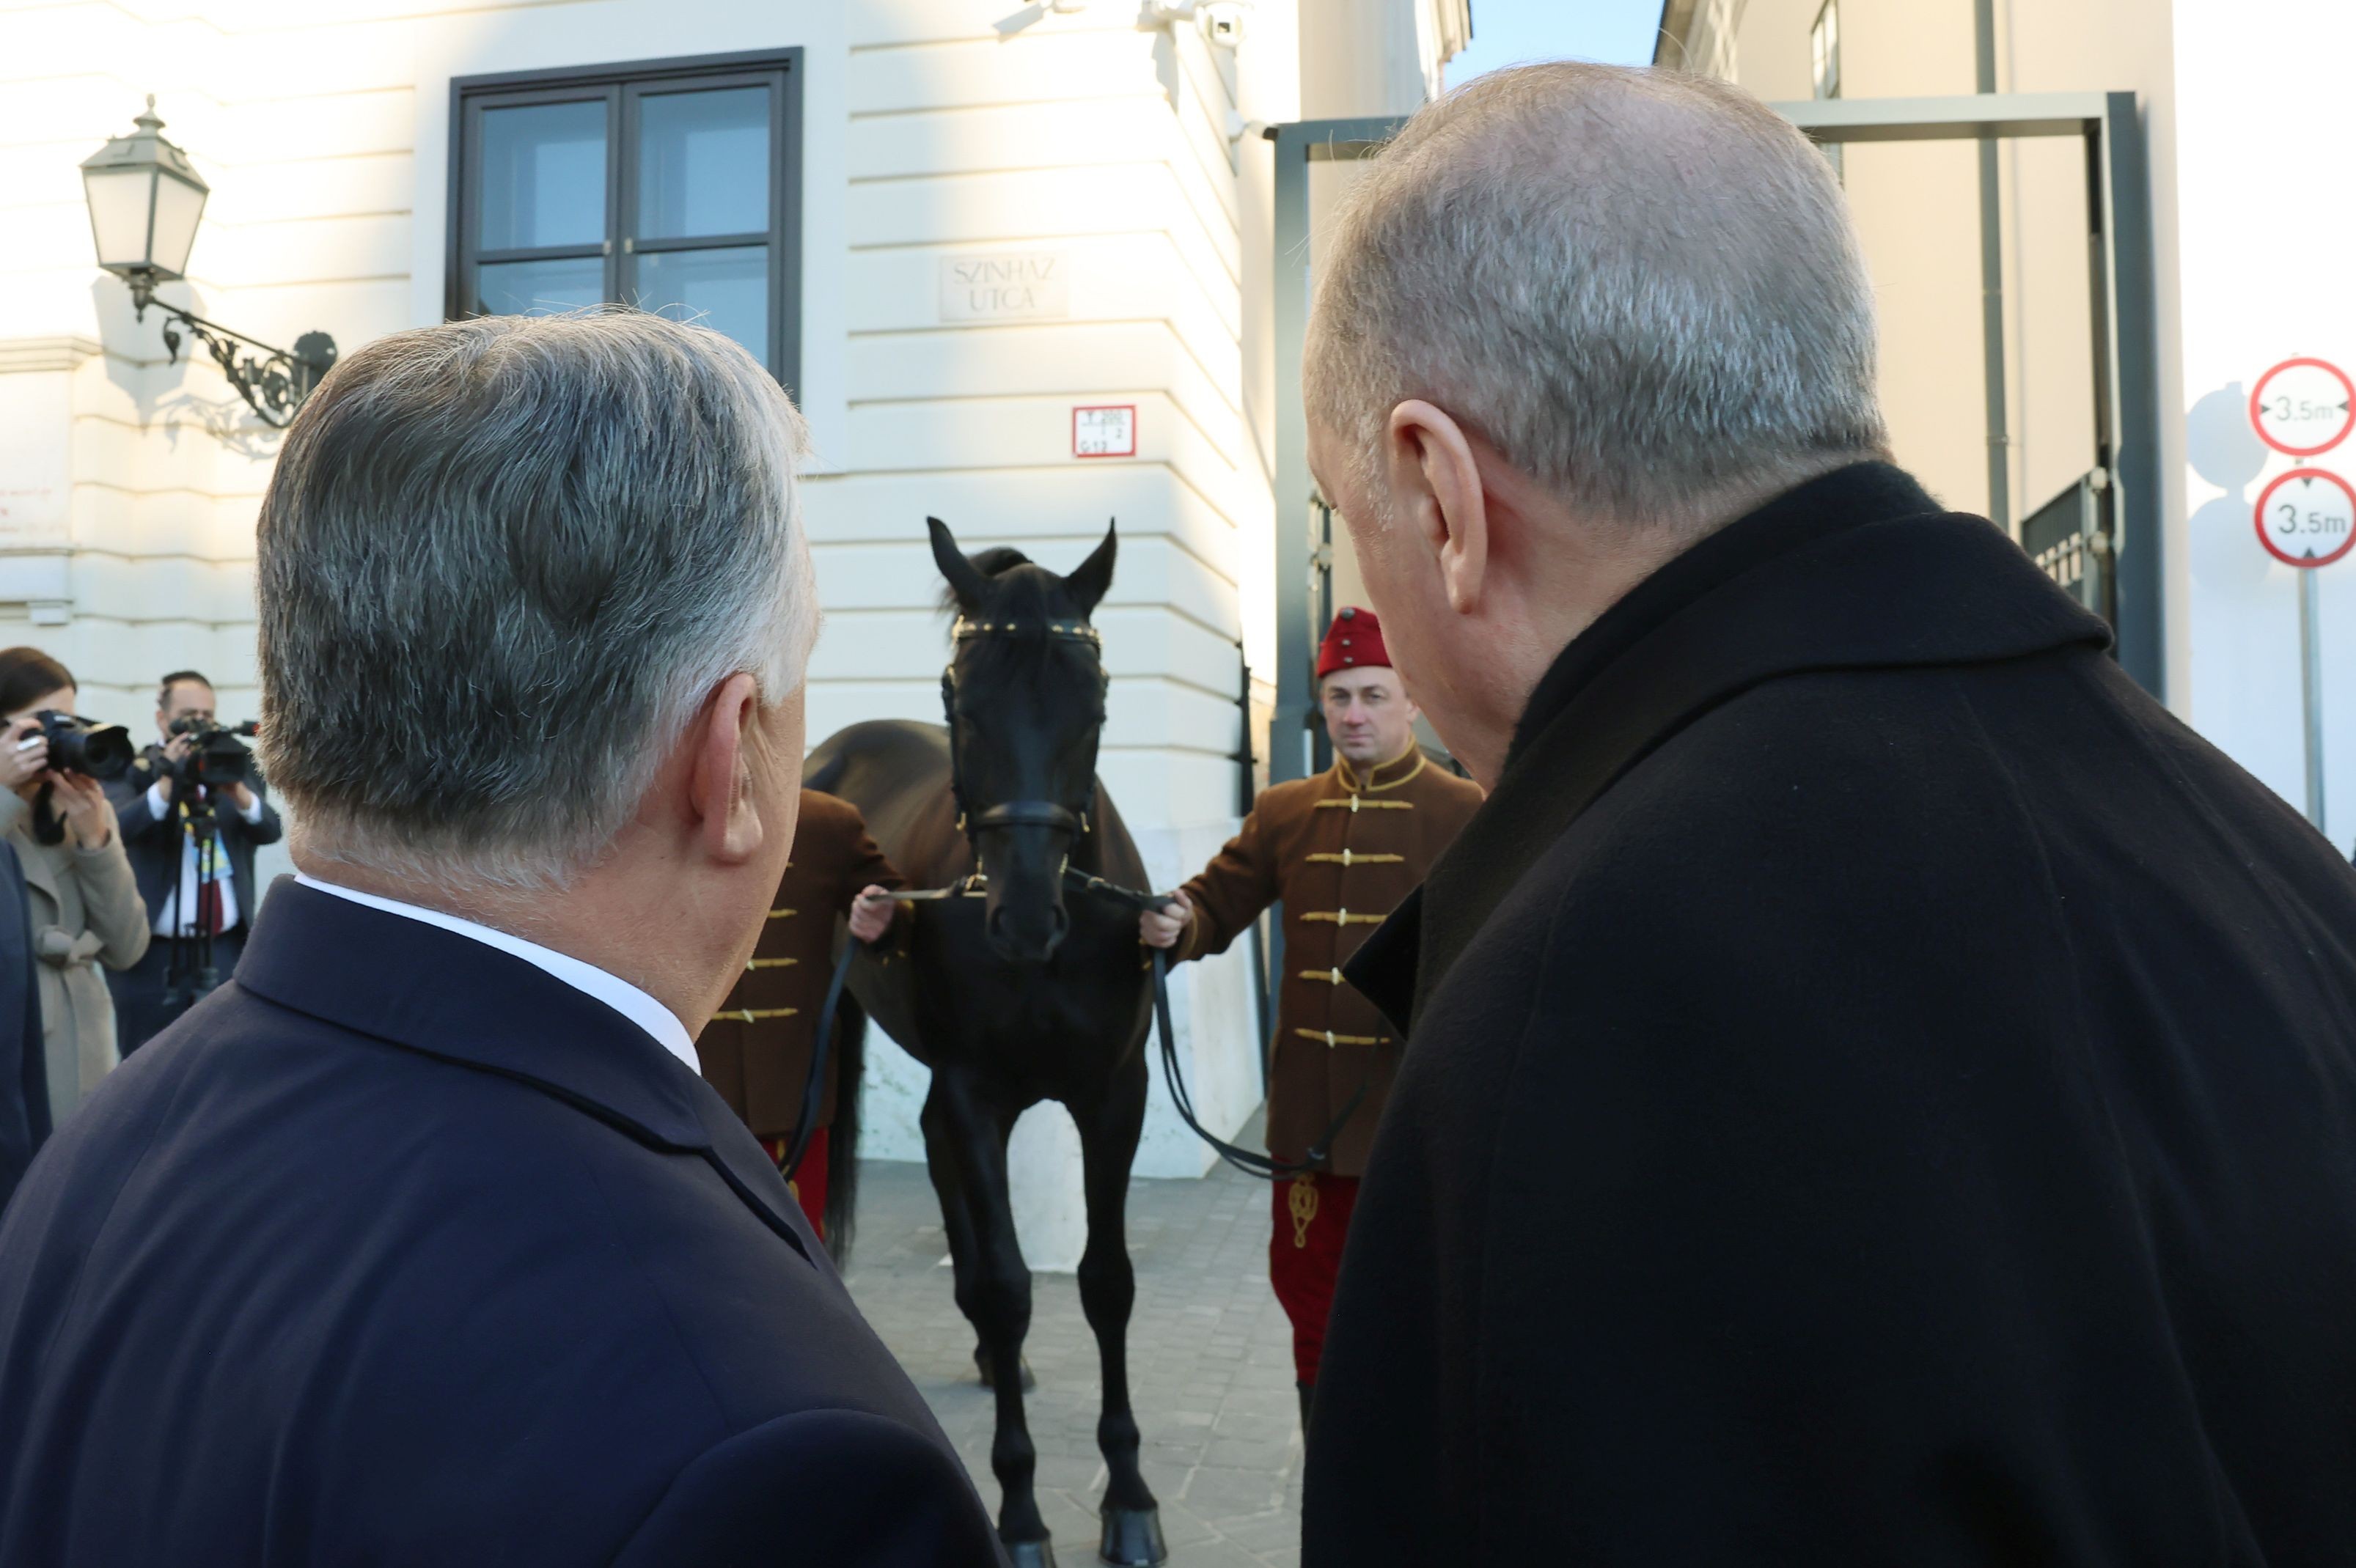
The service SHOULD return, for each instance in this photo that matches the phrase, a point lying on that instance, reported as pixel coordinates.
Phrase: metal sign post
(2306, 519)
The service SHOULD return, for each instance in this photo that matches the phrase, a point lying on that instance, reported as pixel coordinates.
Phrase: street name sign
(1006, 285)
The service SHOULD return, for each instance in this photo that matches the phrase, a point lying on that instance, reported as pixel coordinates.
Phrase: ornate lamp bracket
(272, 381)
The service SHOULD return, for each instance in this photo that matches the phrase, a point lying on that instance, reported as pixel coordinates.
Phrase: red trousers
(809, 1188)
(1304, 1255)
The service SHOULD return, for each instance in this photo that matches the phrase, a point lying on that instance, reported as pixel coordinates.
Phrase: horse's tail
(843, 1138)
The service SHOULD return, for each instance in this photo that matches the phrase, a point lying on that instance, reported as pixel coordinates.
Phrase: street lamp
(145, 198)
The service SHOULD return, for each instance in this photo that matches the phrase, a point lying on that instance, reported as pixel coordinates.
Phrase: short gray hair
(1640, 287)
(502, 563)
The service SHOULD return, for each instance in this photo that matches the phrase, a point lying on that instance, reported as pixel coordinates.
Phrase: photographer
(83, 902)
(193, 813)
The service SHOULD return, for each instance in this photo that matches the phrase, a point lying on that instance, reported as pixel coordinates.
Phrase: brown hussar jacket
(1341, 851)
(756, 1050)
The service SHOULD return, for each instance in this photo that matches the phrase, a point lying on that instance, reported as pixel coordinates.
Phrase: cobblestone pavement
(1210, 1365)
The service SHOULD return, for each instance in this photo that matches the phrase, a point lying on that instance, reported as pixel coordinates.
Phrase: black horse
(1023, 986)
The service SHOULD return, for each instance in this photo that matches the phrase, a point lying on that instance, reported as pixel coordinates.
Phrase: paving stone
(1210, 1360)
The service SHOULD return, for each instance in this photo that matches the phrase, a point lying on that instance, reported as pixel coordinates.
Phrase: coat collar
(1857, 570)
(444, 995)
(1381, 776)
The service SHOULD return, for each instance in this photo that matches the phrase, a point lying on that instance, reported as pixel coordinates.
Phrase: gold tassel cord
(1302, 1202)
(1330, 1038)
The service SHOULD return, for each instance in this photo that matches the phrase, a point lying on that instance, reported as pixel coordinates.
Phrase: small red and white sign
(2303, 407)
(1104, 430)
(2307, 517)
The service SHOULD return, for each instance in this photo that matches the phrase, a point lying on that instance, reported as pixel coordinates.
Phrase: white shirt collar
(587, 978)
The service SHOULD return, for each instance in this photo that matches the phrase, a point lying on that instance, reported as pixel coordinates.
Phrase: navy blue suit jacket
(398, 1250)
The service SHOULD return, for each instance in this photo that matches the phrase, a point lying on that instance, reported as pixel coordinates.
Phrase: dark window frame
(623, 87)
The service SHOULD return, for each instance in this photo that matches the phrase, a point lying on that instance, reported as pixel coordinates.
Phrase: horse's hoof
(1031, 1553)
(982, 1365)
(1132, 1538)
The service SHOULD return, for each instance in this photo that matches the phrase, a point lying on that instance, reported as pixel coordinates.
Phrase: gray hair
(502, 563)
(1640, 287)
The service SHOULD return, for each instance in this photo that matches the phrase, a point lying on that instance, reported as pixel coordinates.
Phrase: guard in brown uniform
(757, 1048)
(1341, 850)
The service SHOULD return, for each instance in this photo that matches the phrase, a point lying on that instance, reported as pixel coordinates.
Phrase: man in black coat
(1880, 1089)
(421, 1239)
(200, 896)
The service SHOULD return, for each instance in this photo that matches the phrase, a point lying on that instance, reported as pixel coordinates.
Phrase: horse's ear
(969, 586)
(1088, 583)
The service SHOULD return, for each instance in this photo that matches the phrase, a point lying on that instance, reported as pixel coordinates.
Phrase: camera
(85, 746)
(216, 756)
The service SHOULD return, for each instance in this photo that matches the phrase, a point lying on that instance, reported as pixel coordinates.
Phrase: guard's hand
(871, 913)
(24, 754)
(1162, 927)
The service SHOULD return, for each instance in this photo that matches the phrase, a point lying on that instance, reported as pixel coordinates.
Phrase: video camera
(85, 746)
(216, 756)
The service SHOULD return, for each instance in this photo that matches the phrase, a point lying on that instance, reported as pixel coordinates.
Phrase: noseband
(1047, 814)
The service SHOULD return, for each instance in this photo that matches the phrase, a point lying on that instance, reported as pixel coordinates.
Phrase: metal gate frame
(2125, 362)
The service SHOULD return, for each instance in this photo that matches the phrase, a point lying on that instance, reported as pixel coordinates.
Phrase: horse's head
(1025, 699)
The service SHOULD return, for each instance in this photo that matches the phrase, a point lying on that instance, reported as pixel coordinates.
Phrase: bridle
(1052, 814)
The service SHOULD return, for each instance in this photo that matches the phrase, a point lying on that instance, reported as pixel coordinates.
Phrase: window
(673, 185)
(1823, 67)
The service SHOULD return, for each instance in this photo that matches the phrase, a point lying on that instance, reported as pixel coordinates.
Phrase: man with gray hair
(1878, 1088)
(422, 1241)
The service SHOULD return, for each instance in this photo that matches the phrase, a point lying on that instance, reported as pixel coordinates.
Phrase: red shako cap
(1355, 638)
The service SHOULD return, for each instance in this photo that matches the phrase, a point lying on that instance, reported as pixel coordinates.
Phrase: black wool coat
(1880, 1091)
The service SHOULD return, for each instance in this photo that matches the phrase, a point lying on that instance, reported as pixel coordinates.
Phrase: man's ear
(720, 788)
(1436, 481)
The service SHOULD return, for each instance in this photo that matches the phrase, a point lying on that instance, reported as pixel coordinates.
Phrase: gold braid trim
(1353, 857)
(1302, 1202)
(754, 1015)
(1341, 917)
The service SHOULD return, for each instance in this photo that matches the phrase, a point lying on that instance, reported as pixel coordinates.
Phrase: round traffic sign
(2303, 407)
(2306, 517)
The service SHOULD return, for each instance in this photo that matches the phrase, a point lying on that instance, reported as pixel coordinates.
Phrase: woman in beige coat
(86, 908)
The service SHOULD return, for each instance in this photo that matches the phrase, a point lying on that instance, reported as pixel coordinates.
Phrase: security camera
(1223, 21)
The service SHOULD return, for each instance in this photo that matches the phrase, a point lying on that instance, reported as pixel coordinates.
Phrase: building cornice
(27, 356)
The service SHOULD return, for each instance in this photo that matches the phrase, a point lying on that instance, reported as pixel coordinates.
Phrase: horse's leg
(1109, 1134)
(957, 1218)
(998, 1298)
